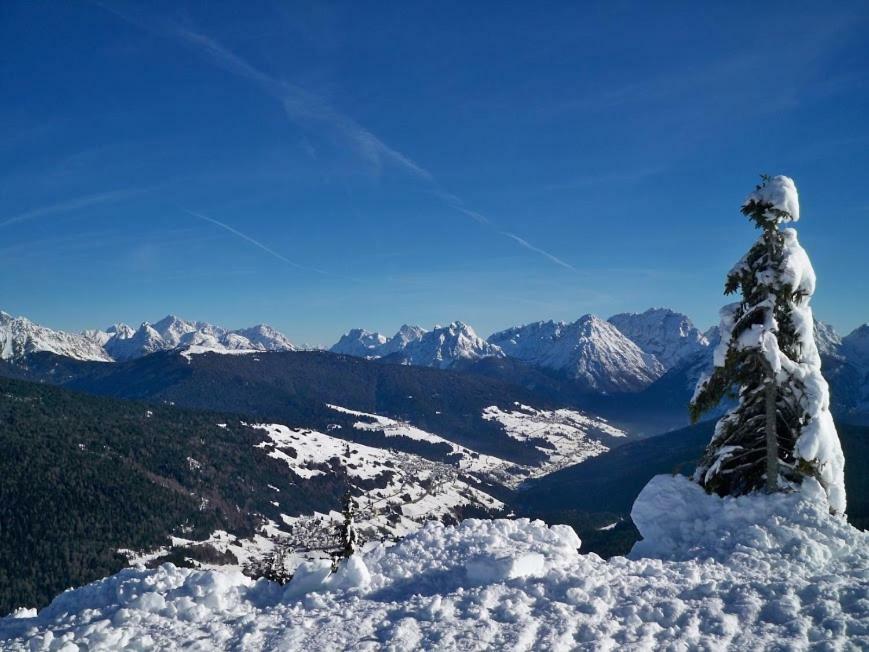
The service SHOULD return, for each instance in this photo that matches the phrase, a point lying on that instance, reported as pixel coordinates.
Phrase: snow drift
(749, 572)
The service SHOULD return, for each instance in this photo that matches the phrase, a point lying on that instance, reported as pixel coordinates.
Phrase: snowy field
(752, 572)
(567, 437)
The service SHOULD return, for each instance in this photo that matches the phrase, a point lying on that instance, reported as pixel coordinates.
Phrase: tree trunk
(771, 436)
(770, 388)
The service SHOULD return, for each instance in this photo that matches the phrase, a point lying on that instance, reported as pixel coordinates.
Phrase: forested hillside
(81, 476)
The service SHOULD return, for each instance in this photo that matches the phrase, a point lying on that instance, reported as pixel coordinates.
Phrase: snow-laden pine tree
(781, 430)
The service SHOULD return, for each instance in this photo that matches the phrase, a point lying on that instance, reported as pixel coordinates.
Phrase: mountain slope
(589, 350)
(855, 346)
(828, 341)
(83, 477)
(296, 388)
(669, 336)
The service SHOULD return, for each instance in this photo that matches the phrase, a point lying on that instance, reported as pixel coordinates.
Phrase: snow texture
(564, 437)
(753, 572)
(827, 340)
(443, 346)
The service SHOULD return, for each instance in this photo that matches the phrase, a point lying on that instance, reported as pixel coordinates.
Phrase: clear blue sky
(322, 166)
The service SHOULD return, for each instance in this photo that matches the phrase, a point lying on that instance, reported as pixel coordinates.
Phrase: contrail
(256, 243)
(531, 247)
(302, 106)
(69, 205)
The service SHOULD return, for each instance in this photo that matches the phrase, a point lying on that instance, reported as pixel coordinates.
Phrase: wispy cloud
(254, 242)
(301, 105)
(69, 205)
(305, 108)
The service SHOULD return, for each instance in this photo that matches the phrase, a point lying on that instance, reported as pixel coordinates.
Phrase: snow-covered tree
(781, 430)
(349, 538)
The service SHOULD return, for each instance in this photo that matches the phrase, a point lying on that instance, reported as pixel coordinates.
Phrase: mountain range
(441, 347)
(20, 337)
(628, 353)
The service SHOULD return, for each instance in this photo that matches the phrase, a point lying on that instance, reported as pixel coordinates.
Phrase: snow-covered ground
(402, 490)
(484, 466)
(565, 436)
(413, 489)
(754, 572)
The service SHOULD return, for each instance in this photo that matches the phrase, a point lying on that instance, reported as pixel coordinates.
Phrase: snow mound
(317, 575)
(792, 526)
(754, 572)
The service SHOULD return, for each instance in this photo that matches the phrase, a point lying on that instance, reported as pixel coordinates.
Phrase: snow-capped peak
(19, 337)
(440, 347)
(172, 332)
(445, 345)
(827, 339)
(265, 337)
(670, 336)
(590, 350)
(855, 346)
(360, 343)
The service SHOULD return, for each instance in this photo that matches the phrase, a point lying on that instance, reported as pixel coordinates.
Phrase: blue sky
(322, 166)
